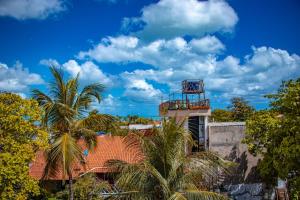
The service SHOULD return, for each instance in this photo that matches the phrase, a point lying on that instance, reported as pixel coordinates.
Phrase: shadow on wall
(240, 173)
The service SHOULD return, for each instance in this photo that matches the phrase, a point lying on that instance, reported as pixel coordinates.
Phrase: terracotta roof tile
(108, 148)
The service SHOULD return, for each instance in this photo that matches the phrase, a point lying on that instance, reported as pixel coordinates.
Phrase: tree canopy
(20, 137)
(65, 107)
(275, 134)
(238, 110)
(164, 170)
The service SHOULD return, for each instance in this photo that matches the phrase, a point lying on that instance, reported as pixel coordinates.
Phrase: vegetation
(87, 187)
(102, 122)
(20, 139)
(238, 110)
(220, 115)
(134, 119)
(275, 134)
(163, 170)
(64, 116)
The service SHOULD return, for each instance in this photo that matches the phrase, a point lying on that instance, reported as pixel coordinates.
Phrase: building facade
(191, 106)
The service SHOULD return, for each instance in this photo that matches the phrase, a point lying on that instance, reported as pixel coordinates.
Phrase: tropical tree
(220, 115)
(20, 139)
(240, 109)
(102, 122)
(274, 134)
(87, 187)
(164, 170)
(65, 109)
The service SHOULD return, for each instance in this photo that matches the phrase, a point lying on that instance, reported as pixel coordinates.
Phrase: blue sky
(142, 50)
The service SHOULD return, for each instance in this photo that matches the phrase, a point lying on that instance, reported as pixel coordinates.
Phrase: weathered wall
(225, 138)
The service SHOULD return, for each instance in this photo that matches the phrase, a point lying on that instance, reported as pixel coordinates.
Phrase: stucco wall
(226, 140)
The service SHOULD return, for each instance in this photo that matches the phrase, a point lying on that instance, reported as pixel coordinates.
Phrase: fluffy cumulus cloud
(261, 72)
(88, 72)
(160, 43)
(178, 59)
(17, 78)
(30, 9)
(172, 18)
(138, 89)
(161, 53)
(50, 62)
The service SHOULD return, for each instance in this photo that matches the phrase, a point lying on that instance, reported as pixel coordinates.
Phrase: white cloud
(88, 72)
(30, 9)
(108, 101)
(174, 60)
(138, 89)
(208, 44)
(119, 49)
(261, 72)
(159, 53)
(50, 62)
(17, 79)
(3, 66)
(172, 18)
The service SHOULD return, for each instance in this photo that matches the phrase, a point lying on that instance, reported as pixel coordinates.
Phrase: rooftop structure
(191, 105)
(191, 97)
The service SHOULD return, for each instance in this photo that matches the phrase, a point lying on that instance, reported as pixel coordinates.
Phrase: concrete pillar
(206, 134)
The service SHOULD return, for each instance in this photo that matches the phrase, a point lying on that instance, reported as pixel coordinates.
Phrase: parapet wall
(225, 138)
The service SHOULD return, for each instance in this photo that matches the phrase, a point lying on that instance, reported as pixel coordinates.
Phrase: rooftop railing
(184, 105)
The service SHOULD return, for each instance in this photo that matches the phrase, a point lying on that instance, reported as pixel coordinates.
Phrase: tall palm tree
(64, 116)
(164, 171)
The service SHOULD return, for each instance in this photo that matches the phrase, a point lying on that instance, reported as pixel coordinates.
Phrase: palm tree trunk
(71, 194)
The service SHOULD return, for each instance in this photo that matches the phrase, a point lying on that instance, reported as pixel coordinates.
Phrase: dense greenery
(20, 139)
(134, 119)
(275, 134)
(238, 110)
(163, 170)
(87, 187)
(220, 115)
(105, 123)
(64, 117)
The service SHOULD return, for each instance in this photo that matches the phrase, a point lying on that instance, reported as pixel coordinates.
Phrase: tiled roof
(108, 148)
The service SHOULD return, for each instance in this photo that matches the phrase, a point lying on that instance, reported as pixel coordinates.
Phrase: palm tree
(64, 116)
(164, 170)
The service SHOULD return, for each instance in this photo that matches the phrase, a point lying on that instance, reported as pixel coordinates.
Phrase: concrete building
(192, 106)
(225, 139)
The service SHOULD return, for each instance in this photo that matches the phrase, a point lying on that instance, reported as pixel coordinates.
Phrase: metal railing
(184, 105)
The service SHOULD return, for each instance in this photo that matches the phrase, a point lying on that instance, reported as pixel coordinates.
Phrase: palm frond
(177, 196)
(62, 155)
(72, 89)
(166, 172)
(89, 137)
(87, 94)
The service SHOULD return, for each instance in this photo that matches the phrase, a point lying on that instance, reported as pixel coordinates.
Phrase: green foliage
(102, 122)
(64, 116)
(240, 109)
(220, 115)
(260, 129)
(135, 119)
(275, 134)
(86, 187)
(20, 138)
(163, 170)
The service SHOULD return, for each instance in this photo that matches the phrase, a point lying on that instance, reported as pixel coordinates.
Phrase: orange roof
(108, 148)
